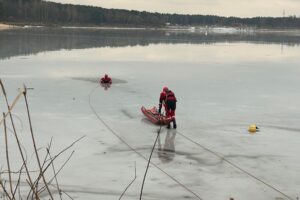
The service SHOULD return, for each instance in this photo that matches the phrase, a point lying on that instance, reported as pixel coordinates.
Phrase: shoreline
(4, 26)
(192, 29)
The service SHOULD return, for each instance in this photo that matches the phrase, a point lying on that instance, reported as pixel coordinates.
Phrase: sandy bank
(5, 26)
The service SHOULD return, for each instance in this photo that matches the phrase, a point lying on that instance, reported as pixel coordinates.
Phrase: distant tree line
(1, 9)
(50, 13)
(18, 42)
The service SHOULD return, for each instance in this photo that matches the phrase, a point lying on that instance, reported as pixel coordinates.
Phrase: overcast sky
(240, 8)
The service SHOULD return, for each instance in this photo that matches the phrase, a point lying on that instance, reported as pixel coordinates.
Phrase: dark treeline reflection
(34, 40)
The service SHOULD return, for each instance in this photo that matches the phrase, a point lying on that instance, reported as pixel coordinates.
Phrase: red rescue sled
(156, 118)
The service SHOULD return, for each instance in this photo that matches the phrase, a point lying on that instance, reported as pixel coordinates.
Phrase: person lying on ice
(168, 98)
(106, 80)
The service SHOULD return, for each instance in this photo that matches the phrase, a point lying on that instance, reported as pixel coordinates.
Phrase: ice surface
(221, 88)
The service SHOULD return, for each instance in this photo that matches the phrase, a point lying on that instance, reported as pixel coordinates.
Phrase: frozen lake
(223, 82)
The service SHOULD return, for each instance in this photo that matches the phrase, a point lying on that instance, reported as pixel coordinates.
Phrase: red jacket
(167, 96)
(106, 80)
(170, 96)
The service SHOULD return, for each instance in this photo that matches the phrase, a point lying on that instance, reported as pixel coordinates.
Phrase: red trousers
(170, 107)
(170, 112)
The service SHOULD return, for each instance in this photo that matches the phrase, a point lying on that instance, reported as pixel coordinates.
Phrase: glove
(159, 108)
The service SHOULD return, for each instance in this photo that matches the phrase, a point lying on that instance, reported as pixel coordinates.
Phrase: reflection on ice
(166, 149)
(34, 40)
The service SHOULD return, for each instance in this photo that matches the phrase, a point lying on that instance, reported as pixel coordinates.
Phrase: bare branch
(54, 158)
(17, 139)
(4, 189)
(14, 102)
(7, 158)
(64, 192)
(55, 175)
(34, 145)
(59, 191)
(18, 182)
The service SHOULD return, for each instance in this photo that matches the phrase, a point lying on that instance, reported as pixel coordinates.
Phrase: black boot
(169, 126)
(174, 124)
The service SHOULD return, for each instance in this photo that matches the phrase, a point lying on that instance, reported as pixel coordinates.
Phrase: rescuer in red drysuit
(168, 98)
(105, 80)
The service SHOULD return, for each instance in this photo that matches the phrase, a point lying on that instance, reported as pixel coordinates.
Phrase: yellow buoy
(252, 128)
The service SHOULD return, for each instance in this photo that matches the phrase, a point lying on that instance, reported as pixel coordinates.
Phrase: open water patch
(96, 80)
